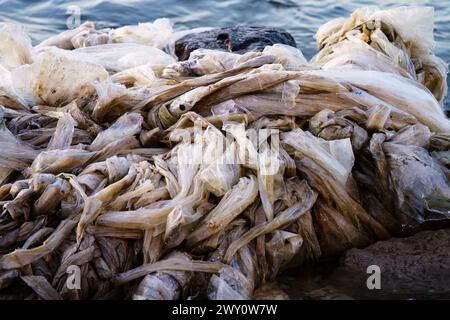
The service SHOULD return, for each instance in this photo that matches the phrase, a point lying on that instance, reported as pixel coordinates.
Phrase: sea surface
(43, 18)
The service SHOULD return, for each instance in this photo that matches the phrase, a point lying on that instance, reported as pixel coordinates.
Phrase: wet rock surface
(416, 267)
(239, 39)
(411, 268)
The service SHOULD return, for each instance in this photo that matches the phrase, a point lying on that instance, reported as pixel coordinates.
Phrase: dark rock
(416, 267)
(239, 39)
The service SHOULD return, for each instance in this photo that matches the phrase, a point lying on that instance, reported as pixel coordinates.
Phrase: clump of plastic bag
(155, 34)
(15, 47)
(289, 57)
(397, 40)
(116, 57)
(54, 79)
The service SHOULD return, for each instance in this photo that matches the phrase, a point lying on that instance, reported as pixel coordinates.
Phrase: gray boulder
(238, 39)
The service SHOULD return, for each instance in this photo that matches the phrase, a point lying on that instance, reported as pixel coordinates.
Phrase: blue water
(44, 18)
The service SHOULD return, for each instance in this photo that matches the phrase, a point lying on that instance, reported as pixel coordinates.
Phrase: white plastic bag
(405, 94)
(156, 34)
(56, 78)
(64, 39)
(290, 58)
(413, 24)
(116, 57)
(15, 46)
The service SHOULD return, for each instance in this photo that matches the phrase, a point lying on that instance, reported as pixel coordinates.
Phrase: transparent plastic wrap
(421, 187)
(15, 47)
(64, 131)
(407, 95)
(232, 204)
(201, 62)
(336, 156)
(330, 178)
(335, 232)
(230, 284)
(91, 37)
(413, 24)
(54, 79)
(117, 57)
(64, 39)
(281, 220)
(326, 30)
(127, 125)
(281, 249)
(23, 257)
(356, 54)
(164, 285)
(155, 34)
(16, 154)
(434, 75)
(270, 179)
(335, 128)
(222, 173)
(141, 76)
(403, 36)
(290, 58)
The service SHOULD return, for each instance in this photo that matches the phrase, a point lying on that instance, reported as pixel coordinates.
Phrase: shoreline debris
(206, 177)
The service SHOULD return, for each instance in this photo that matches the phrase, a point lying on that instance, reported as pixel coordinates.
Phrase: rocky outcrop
(239, 39)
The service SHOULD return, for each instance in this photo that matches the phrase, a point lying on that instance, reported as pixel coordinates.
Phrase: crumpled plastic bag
(64, 39)
(155, 34)
(289, 57)
(15, 46)
(397, 40)
(413, 24)
(116, 57)
(336, 156)
(421, 187)
(56, 78)
(407, 95)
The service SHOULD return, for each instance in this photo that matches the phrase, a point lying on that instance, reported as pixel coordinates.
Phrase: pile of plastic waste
(152, 178)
